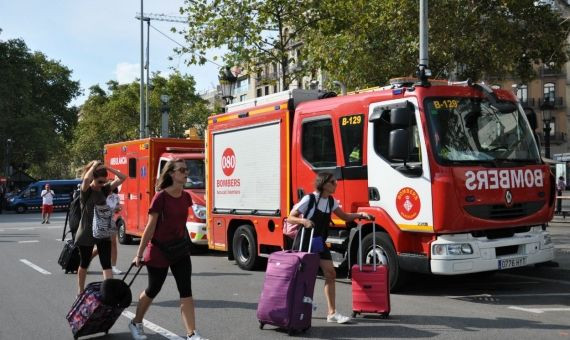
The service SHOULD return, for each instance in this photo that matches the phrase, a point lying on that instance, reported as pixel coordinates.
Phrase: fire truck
(142, 161)
(450, 171)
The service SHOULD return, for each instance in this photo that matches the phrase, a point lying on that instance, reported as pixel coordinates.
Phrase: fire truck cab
(451, 173)
(142, 161)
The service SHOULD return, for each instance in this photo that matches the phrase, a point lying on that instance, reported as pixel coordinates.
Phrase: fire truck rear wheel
(384, 252)
(245, 248)
(123, 237)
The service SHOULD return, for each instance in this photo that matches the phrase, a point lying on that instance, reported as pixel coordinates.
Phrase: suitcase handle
(135, 276)
(303, 236)
(373, 245)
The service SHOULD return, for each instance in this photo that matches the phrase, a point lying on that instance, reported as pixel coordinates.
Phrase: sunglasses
(101, 182)
(182, 170)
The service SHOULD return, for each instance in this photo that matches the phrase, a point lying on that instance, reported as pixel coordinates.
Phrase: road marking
(29, 241)
(32, 228)
(508, 295)
(153, 327)
(538, 279)
(540, 310)
(41, 270)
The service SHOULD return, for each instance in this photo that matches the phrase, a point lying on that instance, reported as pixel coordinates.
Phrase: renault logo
(508, 198)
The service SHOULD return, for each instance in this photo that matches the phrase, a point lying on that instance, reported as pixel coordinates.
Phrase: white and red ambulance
(142, 160)
(451, 173)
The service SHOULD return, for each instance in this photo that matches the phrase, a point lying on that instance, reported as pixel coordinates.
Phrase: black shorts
(325, 254)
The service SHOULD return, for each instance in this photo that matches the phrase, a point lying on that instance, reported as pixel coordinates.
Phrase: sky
(99, 40)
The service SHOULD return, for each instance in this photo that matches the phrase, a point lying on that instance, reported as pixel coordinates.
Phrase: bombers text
(503, 179)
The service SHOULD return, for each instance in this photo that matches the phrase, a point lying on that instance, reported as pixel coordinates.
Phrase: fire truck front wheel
(123, 237)
(385, 254)
(245, 248)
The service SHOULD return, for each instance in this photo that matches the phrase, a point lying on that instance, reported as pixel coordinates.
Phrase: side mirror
(505, 107)
(403, 116)
(398, 148)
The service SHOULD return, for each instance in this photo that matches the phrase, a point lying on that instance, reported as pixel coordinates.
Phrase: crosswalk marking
(153, 327)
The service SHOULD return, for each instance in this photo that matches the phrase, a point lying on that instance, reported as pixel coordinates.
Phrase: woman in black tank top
(325, 184)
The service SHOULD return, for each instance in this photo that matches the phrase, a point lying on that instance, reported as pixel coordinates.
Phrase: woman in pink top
(166, 222)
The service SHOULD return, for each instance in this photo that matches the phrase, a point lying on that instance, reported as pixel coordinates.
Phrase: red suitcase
(370, 284)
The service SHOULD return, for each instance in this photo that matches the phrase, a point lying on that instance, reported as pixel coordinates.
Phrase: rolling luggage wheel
(261, 324)
(384, 315)
(290, 332)
(354, 314)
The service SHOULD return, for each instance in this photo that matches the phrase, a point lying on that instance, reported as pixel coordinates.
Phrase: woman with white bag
(95, 188)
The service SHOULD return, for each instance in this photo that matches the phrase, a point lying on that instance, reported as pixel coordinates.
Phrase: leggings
(104, 249)
(181, 270)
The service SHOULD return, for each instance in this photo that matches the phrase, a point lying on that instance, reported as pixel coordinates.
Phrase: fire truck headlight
(547, 239)
(199, 211)
(466, 248)
(454, 249)
(439, 249)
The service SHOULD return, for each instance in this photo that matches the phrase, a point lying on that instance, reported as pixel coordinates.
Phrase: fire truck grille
(502, 212)
(494, 234)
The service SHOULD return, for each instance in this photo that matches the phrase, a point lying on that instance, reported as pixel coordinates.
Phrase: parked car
(30, 199)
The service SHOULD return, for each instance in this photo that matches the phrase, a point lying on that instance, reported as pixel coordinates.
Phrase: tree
(255, 32)
(35, 93)
(113, 115)
(364, 43)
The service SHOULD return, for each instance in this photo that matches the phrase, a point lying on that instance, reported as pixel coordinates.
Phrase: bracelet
(139, 257)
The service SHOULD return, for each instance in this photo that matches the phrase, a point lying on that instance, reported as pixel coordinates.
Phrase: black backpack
(73, 217)
(74, 214)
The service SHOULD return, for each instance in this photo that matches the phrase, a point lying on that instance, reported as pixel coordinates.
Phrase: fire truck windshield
(196, 174)
(466, 130)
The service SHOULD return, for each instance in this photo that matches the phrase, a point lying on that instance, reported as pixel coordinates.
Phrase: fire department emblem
(508, 198)
(408, 203)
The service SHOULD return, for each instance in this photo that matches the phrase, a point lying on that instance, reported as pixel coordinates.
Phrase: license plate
(512, 263)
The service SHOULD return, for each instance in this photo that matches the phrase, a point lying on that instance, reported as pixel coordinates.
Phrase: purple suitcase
(89, 315)
(287, 297)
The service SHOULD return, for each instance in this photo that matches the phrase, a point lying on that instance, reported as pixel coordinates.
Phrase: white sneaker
(116, 271)
(137, 331)
(338, 318)
(195, 336)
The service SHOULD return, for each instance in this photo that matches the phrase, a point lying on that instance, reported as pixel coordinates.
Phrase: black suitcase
(69, 256)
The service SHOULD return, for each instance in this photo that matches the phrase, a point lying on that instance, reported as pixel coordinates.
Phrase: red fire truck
(451, 173)
(142, 160)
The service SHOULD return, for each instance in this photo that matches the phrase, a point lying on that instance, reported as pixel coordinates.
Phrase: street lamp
(546, 107)
(165, 111)
(7, 171)
(227, 82)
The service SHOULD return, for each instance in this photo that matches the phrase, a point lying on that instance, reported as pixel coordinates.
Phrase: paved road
(526, 303)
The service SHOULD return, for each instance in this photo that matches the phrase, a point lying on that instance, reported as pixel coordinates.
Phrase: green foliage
(34, 96)
(113, 116)
(365, 43)
(255, 32)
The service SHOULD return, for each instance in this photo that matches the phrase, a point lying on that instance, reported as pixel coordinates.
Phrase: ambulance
(142, 161)
(450, 171)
